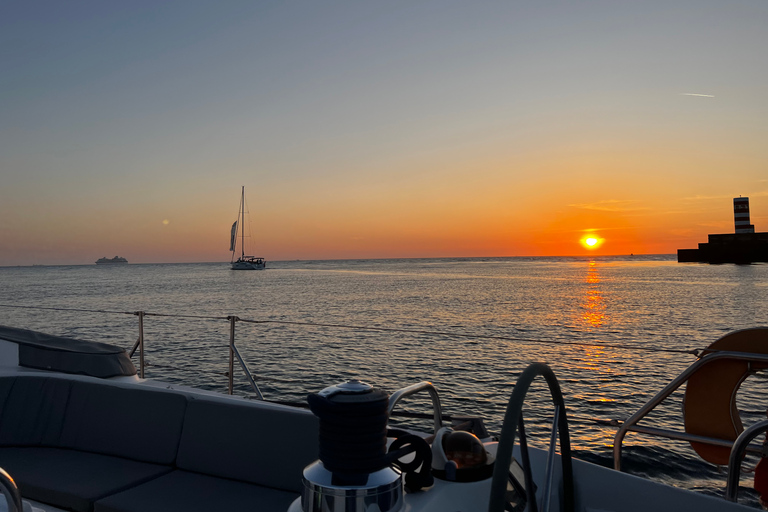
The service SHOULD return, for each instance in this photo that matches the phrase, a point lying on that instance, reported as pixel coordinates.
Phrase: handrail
(11, 492)
(413, 389)
(684, 436)
(737, 452)
(629, 424)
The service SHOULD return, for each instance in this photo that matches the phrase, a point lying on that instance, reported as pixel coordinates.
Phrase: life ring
(709, 407)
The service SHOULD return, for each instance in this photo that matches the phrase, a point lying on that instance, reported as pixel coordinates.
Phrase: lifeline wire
(134, 313)
(380, 329)
(694, 352)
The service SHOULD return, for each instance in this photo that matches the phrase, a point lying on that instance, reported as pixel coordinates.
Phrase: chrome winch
(353, 473)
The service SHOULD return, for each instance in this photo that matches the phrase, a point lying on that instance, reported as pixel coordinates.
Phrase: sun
(591, 241)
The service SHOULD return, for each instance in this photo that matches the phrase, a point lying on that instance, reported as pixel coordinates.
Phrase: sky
(365, 129)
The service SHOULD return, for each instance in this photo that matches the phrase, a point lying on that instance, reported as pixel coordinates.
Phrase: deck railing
(630, 425)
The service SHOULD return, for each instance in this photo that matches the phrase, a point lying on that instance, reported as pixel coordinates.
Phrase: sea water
(615, 330)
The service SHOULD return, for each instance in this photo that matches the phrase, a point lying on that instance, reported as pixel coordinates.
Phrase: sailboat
(243, 262)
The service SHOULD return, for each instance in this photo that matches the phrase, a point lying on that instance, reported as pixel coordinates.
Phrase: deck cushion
(265, 444)
(32, 412)
(71, 479)
(68, 355)
(182, 491)
(6, 383)
(137, 424)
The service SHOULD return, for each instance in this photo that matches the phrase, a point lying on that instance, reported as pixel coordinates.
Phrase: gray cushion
(181, 491)
(265, 444)
(33, 411)
(5, 388)
(71, 479)
(68, 355)
(138, 424)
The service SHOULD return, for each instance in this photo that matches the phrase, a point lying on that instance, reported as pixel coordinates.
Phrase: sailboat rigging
(243, 262)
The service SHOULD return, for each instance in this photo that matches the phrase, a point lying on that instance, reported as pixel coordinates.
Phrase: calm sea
(467, 325)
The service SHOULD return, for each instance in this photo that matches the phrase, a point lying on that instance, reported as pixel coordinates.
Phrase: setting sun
(591, 241)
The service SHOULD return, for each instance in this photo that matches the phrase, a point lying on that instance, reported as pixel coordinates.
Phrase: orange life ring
(709, 408)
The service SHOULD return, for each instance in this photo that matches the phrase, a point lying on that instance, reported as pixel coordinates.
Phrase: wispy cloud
(609, 205)
(706, 198)
(593, 229)
(761, 193)
(698, 95)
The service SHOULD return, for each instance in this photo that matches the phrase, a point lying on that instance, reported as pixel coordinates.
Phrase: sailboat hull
(249, 264)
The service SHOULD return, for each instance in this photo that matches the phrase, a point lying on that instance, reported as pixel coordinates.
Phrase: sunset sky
(373, 129)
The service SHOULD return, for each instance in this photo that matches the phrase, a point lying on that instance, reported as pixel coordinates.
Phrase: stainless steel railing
(737, 453)
(234, 353)
(11, 492)
(631, 423)
(412, 390)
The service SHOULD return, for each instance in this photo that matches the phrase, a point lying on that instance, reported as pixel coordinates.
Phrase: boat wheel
(506, 470)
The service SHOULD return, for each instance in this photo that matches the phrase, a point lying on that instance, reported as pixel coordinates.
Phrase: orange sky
(375, 131)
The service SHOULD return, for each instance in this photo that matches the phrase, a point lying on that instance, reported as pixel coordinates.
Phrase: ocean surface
(615, 330)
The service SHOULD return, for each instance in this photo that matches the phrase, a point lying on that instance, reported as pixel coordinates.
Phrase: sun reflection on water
(594, 303)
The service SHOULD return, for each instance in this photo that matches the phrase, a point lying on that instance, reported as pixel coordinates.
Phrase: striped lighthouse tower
(741, 215)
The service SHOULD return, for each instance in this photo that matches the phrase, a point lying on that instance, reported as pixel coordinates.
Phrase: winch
(353, 473)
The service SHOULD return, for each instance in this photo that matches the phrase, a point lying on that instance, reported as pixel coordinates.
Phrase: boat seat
(709, 407)
(71, 442)
(138, 424)
(83, 445)
(266, 451)
(183, 491)
(269, 445)
(73, 479)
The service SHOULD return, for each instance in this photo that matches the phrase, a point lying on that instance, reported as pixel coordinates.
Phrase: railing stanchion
(737, 455)
(248, 375)
(140, 314)
(232, 320)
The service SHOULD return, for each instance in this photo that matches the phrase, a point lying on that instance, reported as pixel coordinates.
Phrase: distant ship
(107, 261)
(743, 246)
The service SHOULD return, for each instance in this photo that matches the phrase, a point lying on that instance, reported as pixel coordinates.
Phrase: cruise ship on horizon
(109, 261)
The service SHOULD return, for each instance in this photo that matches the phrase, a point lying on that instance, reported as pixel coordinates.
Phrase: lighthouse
(743, 246)
(741, 215)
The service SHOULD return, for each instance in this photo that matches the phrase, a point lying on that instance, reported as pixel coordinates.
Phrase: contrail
(699, 95)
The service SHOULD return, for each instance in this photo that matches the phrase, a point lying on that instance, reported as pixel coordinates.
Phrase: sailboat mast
(242, 226)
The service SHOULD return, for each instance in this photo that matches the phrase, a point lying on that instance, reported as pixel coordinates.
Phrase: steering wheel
(514, 418)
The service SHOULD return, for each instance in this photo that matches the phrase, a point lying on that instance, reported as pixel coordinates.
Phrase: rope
(689, 351)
